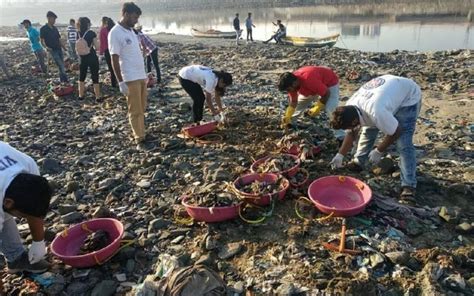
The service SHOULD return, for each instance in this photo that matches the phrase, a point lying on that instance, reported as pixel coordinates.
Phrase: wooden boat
(212, 34)
(328, 41)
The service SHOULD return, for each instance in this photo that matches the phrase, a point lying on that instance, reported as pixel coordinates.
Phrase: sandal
(407, 196)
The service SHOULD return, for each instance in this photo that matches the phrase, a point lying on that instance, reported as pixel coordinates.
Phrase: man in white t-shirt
(390, 104)
(23, 194)
(127, 62)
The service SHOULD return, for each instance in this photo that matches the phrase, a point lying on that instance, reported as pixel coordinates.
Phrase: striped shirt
(148, 45)
(71, 34)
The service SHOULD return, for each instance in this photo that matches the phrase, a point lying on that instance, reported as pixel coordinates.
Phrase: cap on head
(51, 14)
(25, 22)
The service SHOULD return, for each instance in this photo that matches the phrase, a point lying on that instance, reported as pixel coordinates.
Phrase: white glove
(217, 117)
(123, 88)
(375, 156)
(222, 116)
(336, 162)
(37, 251)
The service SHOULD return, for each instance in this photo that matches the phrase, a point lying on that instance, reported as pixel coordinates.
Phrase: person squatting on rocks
(150, 50)
(107, 25)
(86, 49)
(279, 34)
(236, 25)
(390, 104)
(52, 41)
(34, 37)
(23, 194)
(127, 61)
(72, 37)
(214, 83)
(249, 25)
(303, 87)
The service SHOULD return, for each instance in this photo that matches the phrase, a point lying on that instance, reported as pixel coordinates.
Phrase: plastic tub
(287, 173)
(261, 199)
(200, 130)
(211, 214)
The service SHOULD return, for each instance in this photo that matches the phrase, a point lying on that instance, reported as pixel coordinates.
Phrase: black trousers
(249, 34)
(194, 90)
(91, 62)
(108, 59)
(153, 56)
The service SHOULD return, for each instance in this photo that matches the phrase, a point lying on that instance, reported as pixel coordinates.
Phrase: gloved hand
(336, 162)
(123, 88)
(37, 251)
(218, 117)
(288, 114)
(223, 117)
(316, 109)
(375, 156)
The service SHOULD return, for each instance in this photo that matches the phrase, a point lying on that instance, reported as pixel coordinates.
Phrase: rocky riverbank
(85, 150)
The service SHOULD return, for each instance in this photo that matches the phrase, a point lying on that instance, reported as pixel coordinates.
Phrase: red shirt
(314, 80)
(103, 43)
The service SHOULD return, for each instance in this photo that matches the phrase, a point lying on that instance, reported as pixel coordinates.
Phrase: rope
(125, 242)
(262, 218)
(315, 219)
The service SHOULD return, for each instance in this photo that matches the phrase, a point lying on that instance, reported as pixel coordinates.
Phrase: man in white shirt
(390, 104)
(23, 194)
(127, 62)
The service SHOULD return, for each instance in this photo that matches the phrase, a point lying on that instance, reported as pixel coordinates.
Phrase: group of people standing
(249, 25)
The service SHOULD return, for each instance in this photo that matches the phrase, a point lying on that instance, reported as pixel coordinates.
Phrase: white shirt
(12, 163)
(126, 44)
(379, 100)
(201, 75)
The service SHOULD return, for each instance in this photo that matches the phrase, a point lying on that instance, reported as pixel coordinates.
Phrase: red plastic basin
(287, 173)
(295, 150)
(200, 130)
(67, 244)
(61, 91)
(343, 196)
(264, 199)
(212, 214)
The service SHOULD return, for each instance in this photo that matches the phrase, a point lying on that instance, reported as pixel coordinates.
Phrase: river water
(362, 32)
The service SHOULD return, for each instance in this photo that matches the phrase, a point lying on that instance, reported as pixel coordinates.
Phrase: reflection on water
(376, 32)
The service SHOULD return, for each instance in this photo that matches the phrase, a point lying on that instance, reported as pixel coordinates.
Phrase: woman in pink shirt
(107, 25)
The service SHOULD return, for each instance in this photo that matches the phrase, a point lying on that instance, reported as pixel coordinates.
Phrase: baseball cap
(25, 22)
(51, 14)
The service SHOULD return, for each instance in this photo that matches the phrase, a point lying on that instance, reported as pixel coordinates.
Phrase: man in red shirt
(303, 87)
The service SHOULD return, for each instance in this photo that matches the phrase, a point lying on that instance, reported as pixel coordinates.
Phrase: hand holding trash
(316, 109)
(336, 162)
(375, 156)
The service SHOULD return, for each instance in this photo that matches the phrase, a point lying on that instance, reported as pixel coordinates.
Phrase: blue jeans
(72, 50)
(406, 117)
(58, 58)
(10, 242)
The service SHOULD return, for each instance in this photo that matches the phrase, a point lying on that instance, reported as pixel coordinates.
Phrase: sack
(82, 48)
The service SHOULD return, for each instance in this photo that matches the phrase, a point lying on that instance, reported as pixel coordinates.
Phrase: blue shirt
(33, 35)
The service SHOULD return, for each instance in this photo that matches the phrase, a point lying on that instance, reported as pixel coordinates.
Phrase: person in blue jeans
(36, 47)
(51, 40)
(389, 104)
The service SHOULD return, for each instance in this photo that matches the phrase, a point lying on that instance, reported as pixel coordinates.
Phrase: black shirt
(237, 24)
(89, 37)
(51, 36)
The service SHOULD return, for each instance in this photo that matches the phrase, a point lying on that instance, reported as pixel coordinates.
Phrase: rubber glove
(123, 88)
(37, 251)
(336, 162)
(375, 156)
(217, 117)
(316, 109)
(288, 114)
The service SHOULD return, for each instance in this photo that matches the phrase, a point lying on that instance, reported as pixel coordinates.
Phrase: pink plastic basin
(264, 199)
(295, 150)
(67, 244)
(200, 130)
(302, 183)
(212, 214)
(343, 196)
(287, 173)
